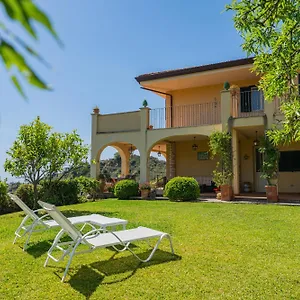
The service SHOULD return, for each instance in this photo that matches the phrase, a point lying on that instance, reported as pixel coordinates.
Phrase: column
(235, 162)
(95, 168)
(172, 159)
(125, 160)
(226, 108)
(144, 171)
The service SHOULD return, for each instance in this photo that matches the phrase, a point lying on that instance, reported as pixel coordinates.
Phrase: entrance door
(259, 182)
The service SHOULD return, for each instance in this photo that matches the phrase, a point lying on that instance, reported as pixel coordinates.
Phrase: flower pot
(226, 192)
(150, 127)
(145, 194)
(272, 193)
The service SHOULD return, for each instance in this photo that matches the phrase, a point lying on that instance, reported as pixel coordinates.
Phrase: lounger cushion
(130, 235)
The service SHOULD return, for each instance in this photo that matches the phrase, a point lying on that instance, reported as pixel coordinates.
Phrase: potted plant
(270, 167)
(145, 190)
(220, 146)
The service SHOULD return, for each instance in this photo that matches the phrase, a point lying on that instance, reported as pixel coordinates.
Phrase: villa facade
(194, 104)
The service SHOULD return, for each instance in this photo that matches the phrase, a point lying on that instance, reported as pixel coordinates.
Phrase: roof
(197, 69)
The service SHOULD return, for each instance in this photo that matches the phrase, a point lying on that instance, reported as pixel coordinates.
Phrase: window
(289, 161)
(259, 161)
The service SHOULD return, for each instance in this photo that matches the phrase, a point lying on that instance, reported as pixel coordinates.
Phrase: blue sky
(107, 44)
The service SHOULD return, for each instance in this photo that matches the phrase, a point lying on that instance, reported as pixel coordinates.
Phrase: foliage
(226, 85)
(63, 192)
(145, 103)
(6, 205)
(126, 188)
(40, 154)
(270, 159)
(26, 194)
(220, 146)
(112, 166)
(145, 186)
(271, 31)
(25, 13)
(182, 188)
(288, 130)
(87, 186)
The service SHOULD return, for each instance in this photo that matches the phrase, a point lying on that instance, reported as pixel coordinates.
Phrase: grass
(224, 251)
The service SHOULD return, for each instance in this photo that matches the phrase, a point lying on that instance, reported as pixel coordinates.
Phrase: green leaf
(12, 57)
(39, 16)
(18, 86)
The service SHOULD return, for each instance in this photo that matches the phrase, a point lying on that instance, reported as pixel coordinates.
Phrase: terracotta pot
(226, 192)
(150, 127)
(145, 194)
(272, 193)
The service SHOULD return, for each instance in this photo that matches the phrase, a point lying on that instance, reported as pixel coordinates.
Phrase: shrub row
(61, 192)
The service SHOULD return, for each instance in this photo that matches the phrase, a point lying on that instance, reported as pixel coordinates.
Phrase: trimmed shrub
(63, 192)
(25, 193)
(126, 188)
(6, 205)
(182, 188)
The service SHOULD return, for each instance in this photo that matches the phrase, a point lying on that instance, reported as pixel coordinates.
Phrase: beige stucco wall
(187, 163)
(129, 121)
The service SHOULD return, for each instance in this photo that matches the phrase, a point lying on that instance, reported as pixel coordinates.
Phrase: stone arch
(123, 149)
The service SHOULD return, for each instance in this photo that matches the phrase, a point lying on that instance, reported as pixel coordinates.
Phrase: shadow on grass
(87, 279)
(75, 213)
(38, 249)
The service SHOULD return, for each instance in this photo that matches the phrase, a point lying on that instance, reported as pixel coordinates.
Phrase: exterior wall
(187, 163)
(129, 121)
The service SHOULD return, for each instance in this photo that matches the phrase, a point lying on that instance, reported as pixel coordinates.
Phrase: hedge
(126, 188)
(182, 188)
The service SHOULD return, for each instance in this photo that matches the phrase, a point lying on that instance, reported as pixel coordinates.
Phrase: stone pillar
(144, 118)
(225, 108)
(125, 164)
(235, 101)
(171, 165)
(144, 170)
(95, 168)
(235, 162)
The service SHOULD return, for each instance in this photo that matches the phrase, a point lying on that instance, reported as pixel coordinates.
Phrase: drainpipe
(163, 93)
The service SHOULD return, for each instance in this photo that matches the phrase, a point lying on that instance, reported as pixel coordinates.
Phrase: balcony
(208, 113)
(248, 104)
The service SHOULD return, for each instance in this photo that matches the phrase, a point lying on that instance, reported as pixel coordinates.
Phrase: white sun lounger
(33, 223)
(95, 239)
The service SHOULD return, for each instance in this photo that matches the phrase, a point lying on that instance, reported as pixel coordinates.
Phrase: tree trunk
(35, 195)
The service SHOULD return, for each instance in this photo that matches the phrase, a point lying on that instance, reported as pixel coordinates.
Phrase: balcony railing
(250, 104)
(186, 116)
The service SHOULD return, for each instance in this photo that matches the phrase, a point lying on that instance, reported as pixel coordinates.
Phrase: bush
(126, 188)
(63, 192)
(6, 205)
(25, 193)
(182, 188)
(88, 186)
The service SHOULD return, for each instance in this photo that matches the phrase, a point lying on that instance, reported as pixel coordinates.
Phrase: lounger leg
(69, 262)
(17, 232)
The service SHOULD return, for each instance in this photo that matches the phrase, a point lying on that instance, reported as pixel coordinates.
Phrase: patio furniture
(96, 239)
(32, 222)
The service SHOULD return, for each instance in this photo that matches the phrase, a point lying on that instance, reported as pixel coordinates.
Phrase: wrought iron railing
(208, 113)
(251, 104)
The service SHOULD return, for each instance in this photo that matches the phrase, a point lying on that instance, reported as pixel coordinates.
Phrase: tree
(40, 154)
(271, 31)
(24, 12)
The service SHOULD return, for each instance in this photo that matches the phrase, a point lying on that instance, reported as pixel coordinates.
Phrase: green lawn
(224, 251)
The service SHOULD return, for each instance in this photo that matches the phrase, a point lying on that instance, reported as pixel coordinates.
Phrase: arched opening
(188, 155)
(118, 161)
